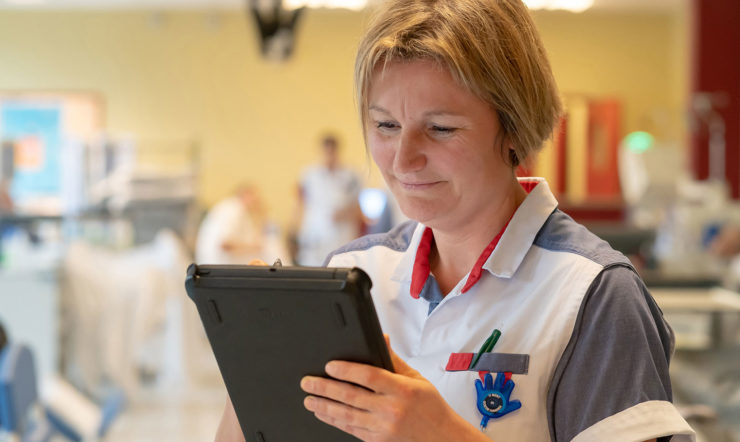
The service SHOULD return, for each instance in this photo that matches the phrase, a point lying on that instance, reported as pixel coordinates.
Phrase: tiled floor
(178, 416)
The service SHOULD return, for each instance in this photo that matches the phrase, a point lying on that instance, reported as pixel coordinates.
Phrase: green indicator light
(639, 141)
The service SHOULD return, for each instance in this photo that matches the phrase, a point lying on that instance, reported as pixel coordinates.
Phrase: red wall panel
(716, 69)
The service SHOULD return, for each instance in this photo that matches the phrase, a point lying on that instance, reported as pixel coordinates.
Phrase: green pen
(487, 346)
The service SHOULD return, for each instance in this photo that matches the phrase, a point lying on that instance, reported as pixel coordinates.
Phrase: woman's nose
(410, 154)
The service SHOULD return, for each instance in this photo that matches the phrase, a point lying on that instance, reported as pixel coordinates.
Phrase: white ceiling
(606, 5)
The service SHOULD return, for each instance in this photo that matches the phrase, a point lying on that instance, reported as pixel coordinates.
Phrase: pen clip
(487, 346)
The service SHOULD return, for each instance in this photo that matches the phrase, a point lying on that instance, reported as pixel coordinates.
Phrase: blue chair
(110, 410)
(19, 395)
(19, 398)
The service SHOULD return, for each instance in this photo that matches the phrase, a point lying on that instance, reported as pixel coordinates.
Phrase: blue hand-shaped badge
(493, 399)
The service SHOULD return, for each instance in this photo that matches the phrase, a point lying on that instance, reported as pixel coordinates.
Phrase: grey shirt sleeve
(617, 357)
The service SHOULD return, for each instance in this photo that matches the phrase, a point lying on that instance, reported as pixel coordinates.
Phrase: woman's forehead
(406, 74)
(426, 63)
(428, 79)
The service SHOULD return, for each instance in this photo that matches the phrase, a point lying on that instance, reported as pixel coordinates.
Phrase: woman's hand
(400, 406)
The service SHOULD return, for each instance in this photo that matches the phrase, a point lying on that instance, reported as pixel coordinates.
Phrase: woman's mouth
(418, 185)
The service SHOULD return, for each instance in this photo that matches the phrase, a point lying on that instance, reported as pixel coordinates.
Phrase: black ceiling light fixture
(276, 26)
(276, 21)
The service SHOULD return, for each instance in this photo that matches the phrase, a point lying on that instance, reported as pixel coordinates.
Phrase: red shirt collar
(422, 269)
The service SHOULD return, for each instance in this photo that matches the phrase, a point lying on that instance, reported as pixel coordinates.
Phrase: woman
(508, 320)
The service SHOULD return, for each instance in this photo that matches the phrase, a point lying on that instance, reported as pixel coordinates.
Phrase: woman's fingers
(257, 262)
(392, 406)
(358, 432)
(338, 391)
(373, 378)
(342, 415)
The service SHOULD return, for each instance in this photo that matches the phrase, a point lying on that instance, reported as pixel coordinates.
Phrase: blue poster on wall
(36, 133)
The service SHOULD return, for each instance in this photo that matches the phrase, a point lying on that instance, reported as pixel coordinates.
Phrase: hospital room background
(127, 127)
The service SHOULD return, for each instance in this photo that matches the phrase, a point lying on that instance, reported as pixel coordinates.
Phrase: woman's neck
(456, 251)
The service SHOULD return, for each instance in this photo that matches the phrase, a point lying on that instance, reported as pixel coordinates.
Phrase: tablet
(270, 326)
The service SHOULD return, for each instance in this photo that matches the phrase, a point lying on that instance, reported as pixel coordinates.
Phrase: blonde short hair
(491, 47)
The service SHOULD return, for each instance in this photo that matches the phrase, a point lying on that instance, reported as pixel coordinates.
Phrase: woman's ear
(506, 149)
(509, 152)
(513, 157)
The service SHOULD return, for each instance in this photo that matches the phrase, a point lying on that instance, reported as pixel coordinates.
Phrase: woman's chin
(426, 213)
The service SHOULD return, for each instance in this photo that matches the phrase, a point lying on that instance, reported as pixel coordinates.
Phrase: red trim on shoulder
(421, 264)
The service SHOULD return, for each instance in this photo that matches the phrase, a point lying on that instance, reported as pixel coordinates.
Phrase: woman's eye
(385, 125)
(443, 129)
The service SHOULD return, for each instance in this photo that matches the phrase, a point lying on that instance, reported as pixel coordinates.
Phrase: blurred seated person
(3, 337)
(6, 202)
(330, 210)
(232, 231)
(727, 242)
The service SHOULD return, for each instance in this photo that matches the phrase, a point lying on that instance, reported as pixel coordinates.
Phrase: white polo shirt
(325, 192)
(584, 344)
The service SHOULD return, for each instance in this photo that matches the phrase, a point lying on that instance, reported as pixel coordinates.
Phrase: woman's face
(436, 144)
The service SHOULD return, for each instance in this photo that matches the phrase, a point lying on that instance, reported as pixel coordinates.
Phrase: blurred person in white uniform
(331, 214)
(235, 231)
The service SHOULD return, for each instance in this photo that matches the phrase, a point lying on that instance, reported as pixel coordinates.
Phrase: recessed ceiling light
(346, 4)
(25, 2)
(568, 5)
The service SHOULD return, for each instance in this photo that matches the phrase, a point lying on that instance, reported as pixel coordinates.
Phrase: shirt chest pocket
(491, 362)
(495, 395)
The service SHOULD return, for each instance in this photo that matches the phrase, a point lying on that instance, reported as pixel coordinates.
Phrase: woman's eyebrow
(379, 109)
(444, 113)
(432, 113)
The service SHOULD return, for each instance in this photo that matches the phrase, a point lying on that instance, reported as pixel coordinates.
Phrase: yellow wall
(183, 75)
(628, 56)
(641, 59)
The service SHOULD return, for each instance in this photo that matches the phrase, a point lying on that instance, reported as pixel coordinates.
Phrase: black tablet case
(270, 326)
